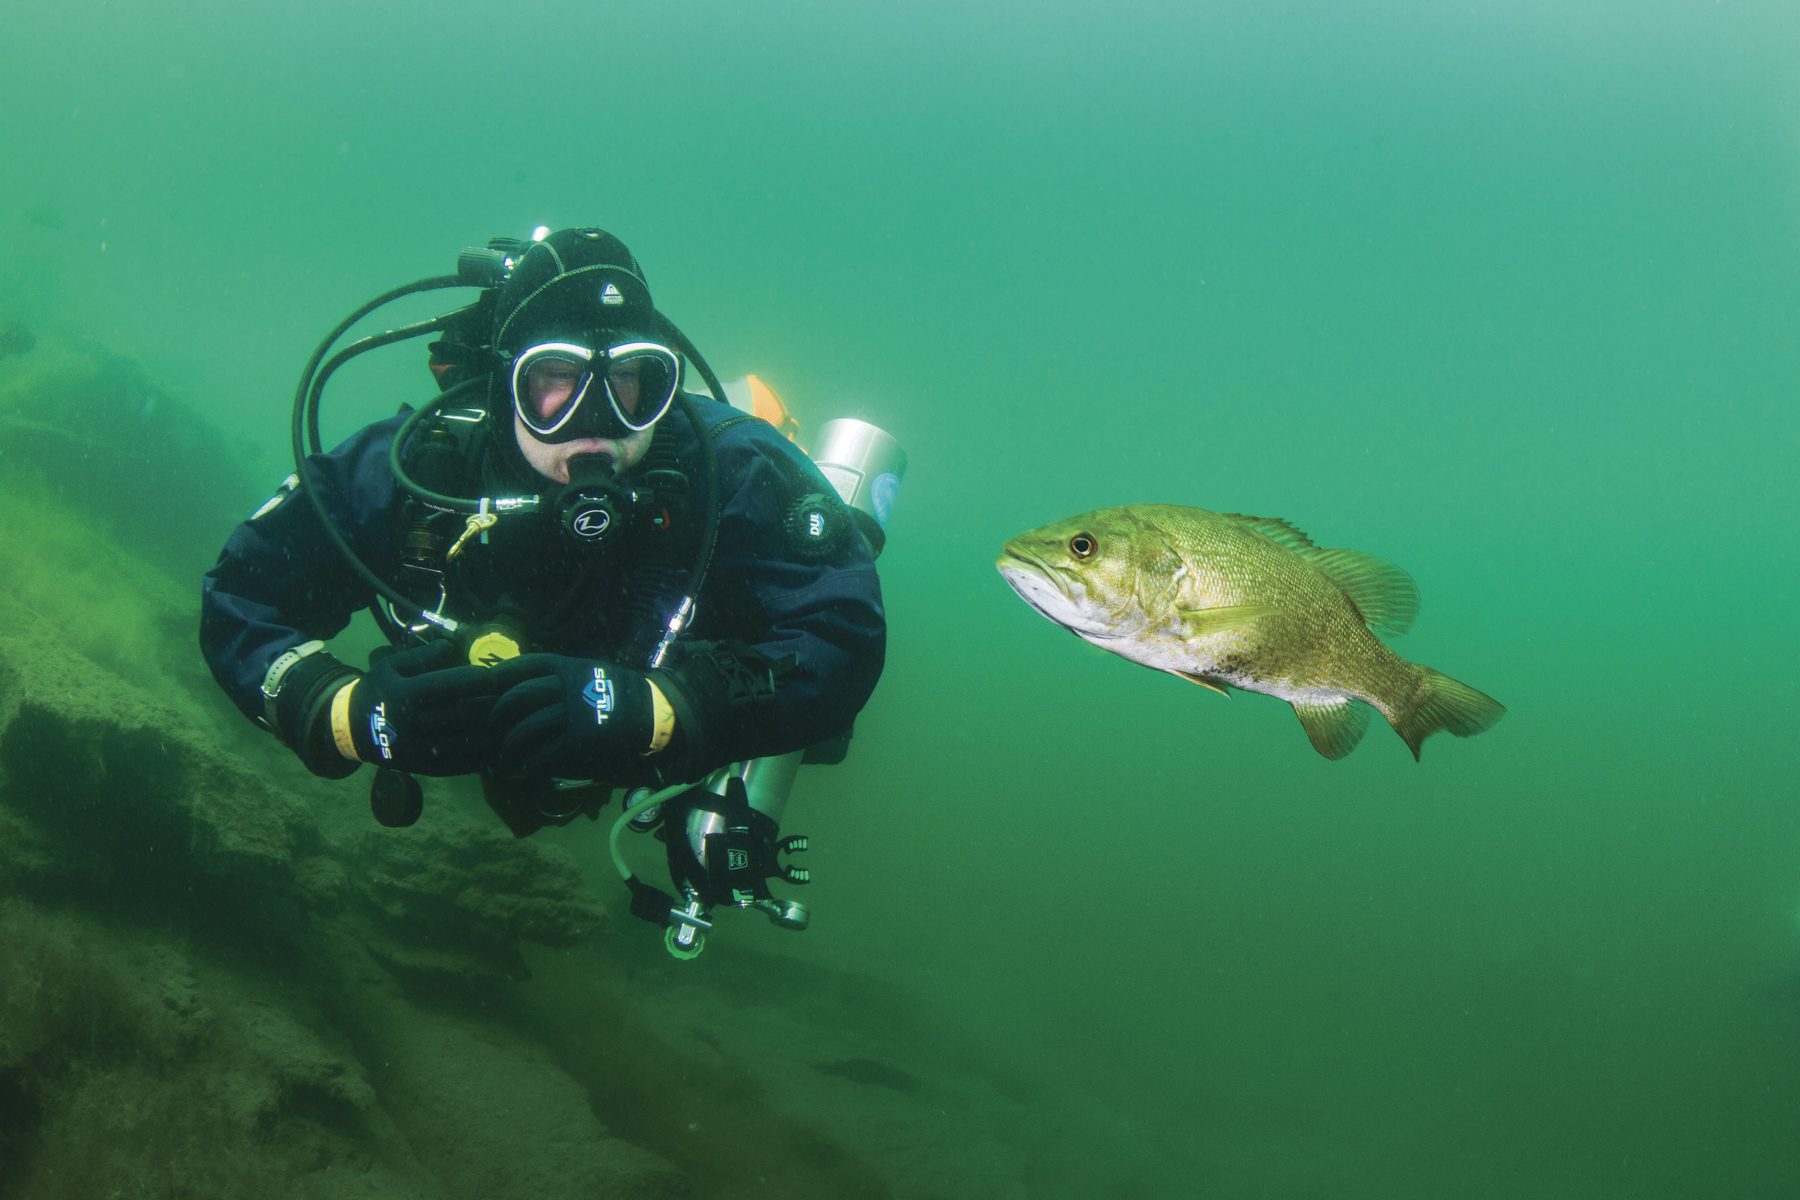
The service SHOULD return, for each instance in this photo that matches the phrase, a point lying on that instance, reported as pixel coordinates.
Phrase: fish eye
(1083, 545)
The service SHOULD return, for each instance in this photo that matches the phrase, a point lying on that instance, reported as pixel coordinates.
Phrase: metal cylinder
(770, 781)
(767, 784)
(865, 464)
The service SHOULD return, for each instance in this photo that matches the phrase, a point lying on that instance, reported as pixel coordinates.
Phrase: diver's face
(552, 460)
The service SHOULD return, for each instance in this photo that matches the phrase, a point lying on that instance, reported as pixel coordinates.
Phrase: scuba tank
(721, 835)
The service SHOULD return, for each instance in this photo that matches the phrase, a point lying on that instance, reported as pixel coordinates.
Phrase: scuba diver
(590, 579)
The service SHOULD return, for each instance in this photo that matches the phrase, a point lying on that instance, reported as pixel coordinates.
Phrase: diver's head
(581, 371)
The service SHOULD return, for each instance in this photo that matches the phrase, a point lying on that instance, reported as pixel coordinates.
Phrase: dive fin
(1440, 702)
(1385, 596)
(1333, 729)
(1204, 682)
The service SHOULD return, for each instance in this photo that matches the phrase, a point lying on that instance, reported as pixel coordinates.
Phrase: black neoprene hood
(579, 285)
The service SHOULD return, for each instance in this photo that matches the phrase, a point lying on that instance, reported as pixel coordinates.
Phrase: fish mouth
(1021, 554)
(1013, 564)
(1010, 554)
(1041, 586)
(1028, 574)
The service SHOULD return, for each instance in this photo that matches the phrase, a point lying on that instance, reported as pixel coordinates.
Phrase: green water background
(1505, 292)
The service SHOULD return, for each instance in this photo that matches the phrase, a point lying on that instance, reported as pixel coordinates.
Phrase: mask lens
(641, 378)
(548, 384)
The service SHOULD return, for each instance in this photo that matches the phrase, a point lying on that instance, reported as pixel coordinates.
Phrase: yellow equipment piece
(495, 645)
(751, 395)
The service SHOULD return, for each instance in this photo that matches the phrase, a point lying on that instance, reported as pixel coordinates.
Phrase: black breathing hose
(306, 422)
(354, 349)
(397, 448)
(709, 461)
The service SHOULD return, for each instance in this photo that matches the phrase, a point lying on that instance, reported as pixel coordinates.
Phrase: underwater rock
(112, 442)
(125, 797)
(496, 1117)
(129, 1065)
(469, 888)
(842, 1084)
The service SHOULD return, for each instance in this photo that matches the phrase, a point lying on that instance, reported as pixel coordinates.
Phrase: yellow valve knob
(492, 647)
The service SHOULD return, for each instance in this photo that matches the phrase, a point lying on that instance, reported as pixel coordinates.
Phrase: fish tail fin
(1439, 702)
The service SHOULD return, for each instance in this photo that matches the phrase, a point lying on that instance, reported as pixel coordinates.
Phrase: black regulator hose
(357, 348)
(306, 395)
(305, 423)
(709, 461)
(397, 448)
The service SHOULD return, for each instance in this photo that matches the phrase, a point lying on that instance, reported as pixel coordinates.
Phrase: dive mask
(563, 391)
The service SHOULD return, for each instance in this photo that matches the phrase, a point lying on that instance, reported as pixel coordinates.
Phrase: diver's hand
(422, 709)
(574, 718)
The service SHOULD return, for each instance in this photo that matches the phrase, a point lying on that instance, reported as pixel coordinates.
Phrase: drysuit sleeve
(280, 581)
(786, 648)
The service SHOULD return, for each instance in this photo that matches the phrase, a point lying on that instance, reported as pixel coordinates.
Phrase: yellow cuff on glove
(340, 722)
(662, 727)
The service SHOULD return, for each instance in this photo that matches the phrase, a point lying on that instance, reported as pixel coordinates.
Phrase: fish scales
(1312, 644)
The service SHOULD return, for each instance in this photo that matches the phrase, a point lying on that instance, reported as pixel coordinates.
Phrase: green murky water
(1503, 292)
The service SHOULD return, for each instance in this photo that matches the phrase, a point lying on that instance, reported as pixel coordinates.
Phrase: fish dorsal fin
(1203, 681)
(1333, 729)
(1385, 596)
(1275, 529)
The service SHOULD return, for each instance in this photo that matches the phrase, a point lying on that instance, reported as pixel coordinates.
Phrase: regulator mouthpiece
(592, 507)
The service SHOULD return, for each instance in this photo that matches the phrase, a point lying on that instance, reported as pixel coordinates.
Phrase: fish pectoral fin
(1333, 729)
(1197, 622)
(1203, 681)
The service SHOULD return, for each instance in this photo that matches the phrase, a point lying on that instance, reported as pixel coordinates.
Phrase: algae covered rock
(475, 884)
(131, 1064)
(456, 901)
(113, 442)
(122, 794)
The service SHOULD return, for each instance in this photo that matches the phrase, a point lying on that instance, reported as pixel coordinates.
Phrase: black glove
(300, 713)
(425, 710)
(721, 693)
(573, 718)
